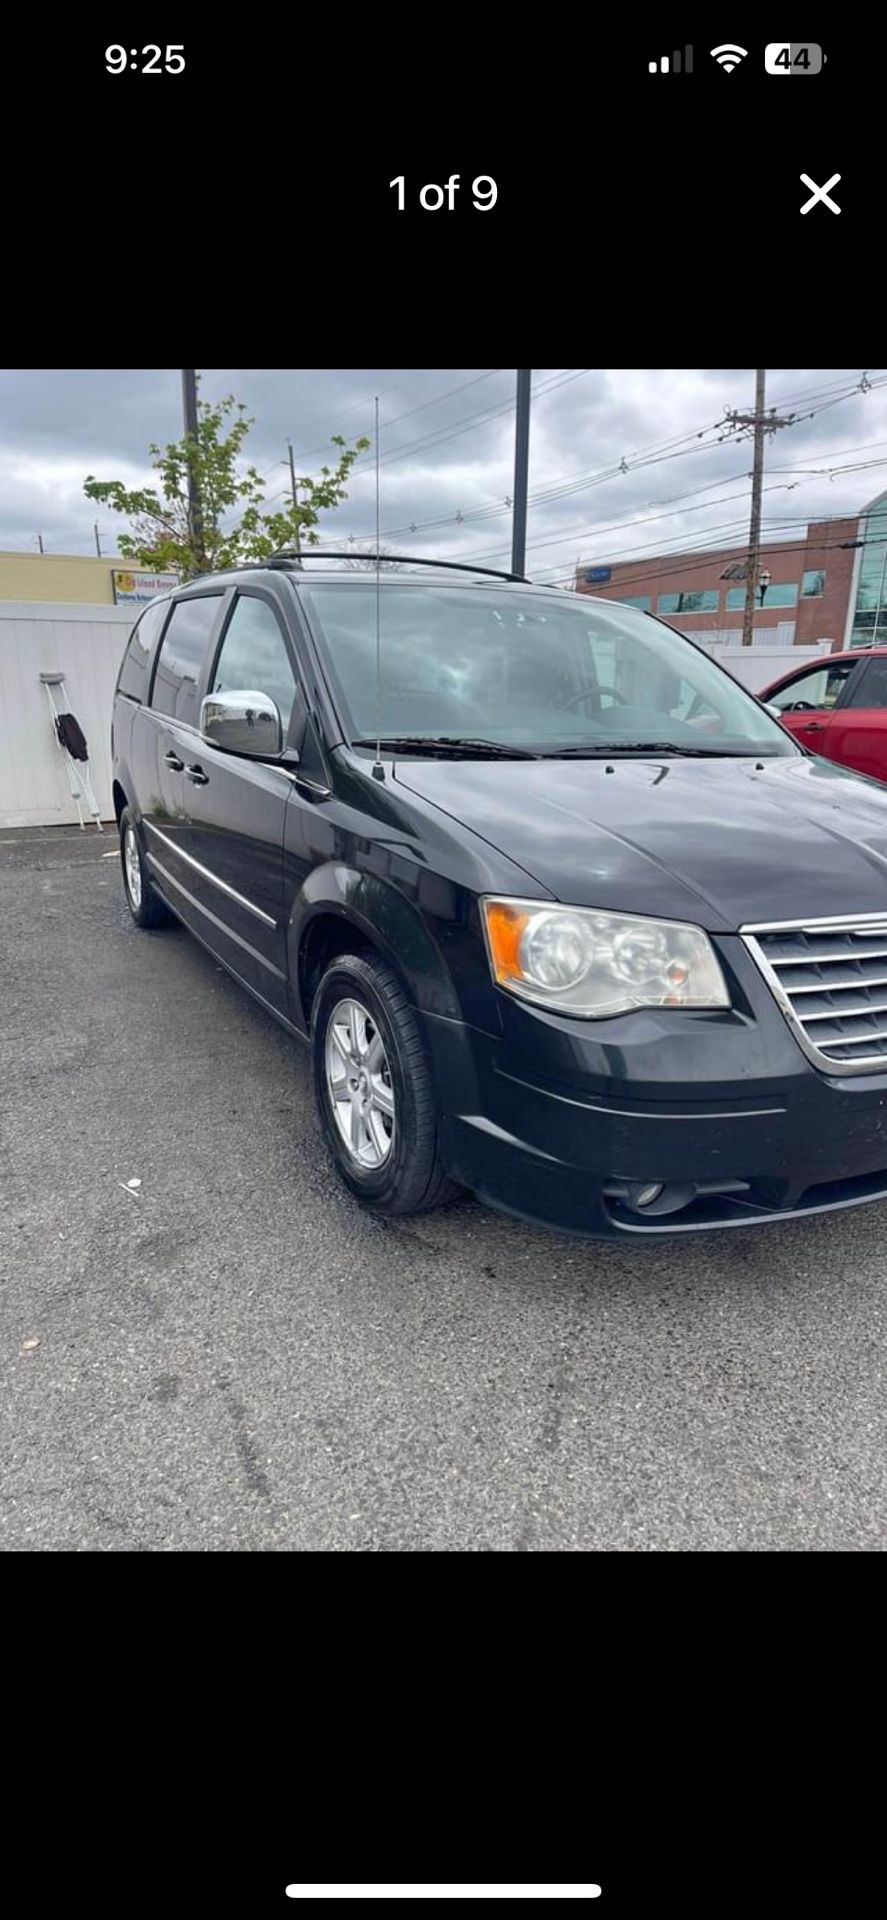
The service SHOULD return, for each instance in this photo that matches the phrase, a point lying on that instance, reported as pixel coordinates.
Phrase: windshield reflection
(543, 671)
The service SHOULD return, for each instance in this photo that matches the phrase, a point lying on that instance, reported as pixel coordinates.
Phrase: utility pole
(98, 544)
(195, 510)
(761, 424)
(521, 468)
(40, 541)
(294, 493)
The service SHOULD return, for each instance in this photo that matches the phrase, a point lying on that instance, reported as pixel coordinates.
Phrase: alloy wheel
(132, 868)
(358, 1084)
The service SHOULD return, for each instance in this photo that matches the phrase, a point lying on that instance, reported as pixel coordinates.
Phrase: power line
(798, 520)
(841, 389)
(658, 453)
(541, 496)
(361, 406)
(444, 434)
(691, 564)
(576, 530)
(700, 542)
(556, 490)
(639, 465)
(451, 433)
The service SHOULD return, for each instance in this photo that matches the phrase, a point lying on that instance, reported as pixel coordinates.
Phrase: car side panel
(811, 729)
(390, 865)
(857, 737)
(158, 748)
(231, 880)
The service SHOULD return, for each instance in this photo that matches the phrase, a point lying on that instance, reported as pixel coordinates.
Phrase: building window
(705, 601)
(775, 596)
(870, 613)
(813, 584)
(641, 600)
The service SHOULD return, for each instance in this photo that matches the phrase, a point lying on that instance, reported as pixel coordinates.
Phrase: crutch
(78, 776)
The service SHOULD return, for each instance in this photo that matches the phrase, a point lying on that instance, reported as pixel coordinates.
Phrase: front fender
(386, 917)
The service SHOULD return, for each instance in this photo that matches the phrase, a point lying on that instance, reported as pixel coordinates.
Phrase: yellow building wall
(58, 577)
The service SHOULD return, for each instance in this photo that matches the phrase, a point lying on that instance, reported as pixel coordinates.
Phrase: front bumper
(558, 1121)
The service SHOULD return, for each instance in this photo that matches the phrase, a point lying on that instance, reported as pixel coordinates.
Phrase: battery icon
(783, 56)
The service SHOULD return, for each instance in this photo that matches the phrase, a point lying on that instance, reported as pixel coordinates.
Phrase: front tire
(374, 1090)
(144, 903)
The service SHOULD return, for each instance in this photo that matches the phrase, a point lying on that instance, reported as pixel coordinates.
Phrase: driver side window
(821, 688)
(254, 658)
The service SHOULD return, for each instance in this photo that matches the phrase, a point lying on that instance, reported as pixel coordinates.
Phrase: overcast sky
(447, 449)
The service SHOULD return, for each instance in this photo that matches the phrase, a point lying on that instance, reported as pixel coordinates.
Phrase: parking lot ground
(233, 1355)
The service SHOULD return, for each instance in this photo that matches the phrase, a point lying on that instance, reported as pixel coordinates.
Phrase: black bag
(72, 736)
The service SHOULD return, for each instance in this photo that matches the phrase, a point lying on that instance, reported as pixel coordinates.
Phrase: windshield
(546, 672)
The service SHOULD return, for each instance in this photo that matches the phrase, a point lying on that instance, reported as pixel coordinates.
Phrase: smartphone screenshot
(443, 930)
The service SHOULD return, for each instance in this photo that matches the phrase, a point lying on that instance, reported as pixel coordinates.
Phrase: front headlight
(576, 960)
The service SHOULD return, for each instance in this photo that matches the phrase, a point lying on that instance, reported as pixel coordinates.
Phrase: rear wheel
(142, 899)
(374, 1090)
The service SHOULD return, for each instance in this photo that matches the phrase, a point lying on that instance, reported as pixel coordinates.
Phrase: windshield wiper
(615, 747)
(451, 743)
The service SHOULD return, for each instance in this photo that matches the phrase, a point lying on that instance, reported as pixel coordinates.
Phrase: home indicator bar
(673, 62)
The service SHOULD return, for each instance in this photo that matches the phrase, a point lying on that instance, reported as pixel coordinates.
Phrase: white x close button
(820, 193)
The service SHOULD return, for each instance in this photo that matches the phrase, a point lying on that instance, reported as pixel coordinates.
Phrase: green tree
(161, 535)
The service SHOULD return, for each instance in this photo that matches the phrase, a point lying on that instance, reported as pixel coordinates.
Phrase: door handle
(197, 776)
(172, 760)
(814, 726)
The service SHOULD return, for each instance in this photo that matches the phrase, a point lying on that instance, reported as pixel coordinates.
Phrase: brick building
(829, 583)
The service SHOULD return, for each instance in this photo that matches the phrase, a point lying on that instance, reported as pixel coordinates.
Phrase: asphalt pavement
(232, 1355)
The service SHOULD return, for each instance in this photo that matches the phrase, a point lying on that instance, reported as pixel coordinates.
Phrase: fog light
(645, 1196)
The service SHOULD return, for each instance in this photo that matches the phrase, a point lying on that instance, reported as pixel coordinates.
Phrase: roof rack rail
(288, 557)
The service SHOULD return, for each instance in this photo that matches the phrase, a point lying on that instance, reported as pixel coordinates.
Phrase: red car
(838, 708)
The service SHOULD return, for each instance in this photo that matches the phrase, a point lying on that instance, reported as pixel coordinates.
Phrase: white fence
(757, 667)
(85, 644)
(782, 635)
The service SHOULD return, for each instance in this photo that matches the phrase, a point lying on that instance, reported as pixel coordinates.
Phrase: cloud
(446, 452)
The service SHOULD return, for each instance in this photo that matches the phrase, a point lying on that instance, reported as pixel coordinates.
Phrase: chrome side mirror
(242, 722)
(776, 711)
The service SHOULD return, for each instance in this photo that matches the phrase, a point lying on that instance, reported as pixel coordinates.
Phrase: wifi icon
(728, 57)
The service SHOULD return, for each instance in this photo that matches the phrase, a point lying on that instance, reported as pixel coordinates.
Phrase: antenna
(378, 769)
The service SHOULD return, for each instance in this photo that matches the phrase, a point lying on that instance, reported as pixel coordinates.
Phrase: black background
(693, 1733)
(290, 128)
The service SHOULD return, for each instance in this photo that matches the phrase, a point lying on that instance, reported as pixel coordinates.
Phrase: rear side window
(181, 657)
(139, 652)
(870, 686)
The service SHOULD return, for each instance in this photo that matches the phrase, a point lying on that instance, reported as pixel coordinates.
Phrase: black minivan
(566, 916)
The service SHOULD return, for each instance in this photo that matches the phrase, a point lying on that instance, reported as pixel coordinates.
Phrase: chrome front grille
(830, 979)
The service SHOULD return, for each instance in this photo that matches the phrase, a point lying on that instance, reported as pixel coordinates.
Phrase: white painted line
(447, 1890)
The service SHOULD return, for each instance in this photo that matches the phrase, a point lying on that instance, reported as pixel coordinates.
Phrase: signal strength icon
(672, 62)
(729, 57)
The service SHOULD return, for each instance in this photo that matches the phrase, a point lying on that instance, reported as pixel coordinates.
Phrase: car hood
(720, 842)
